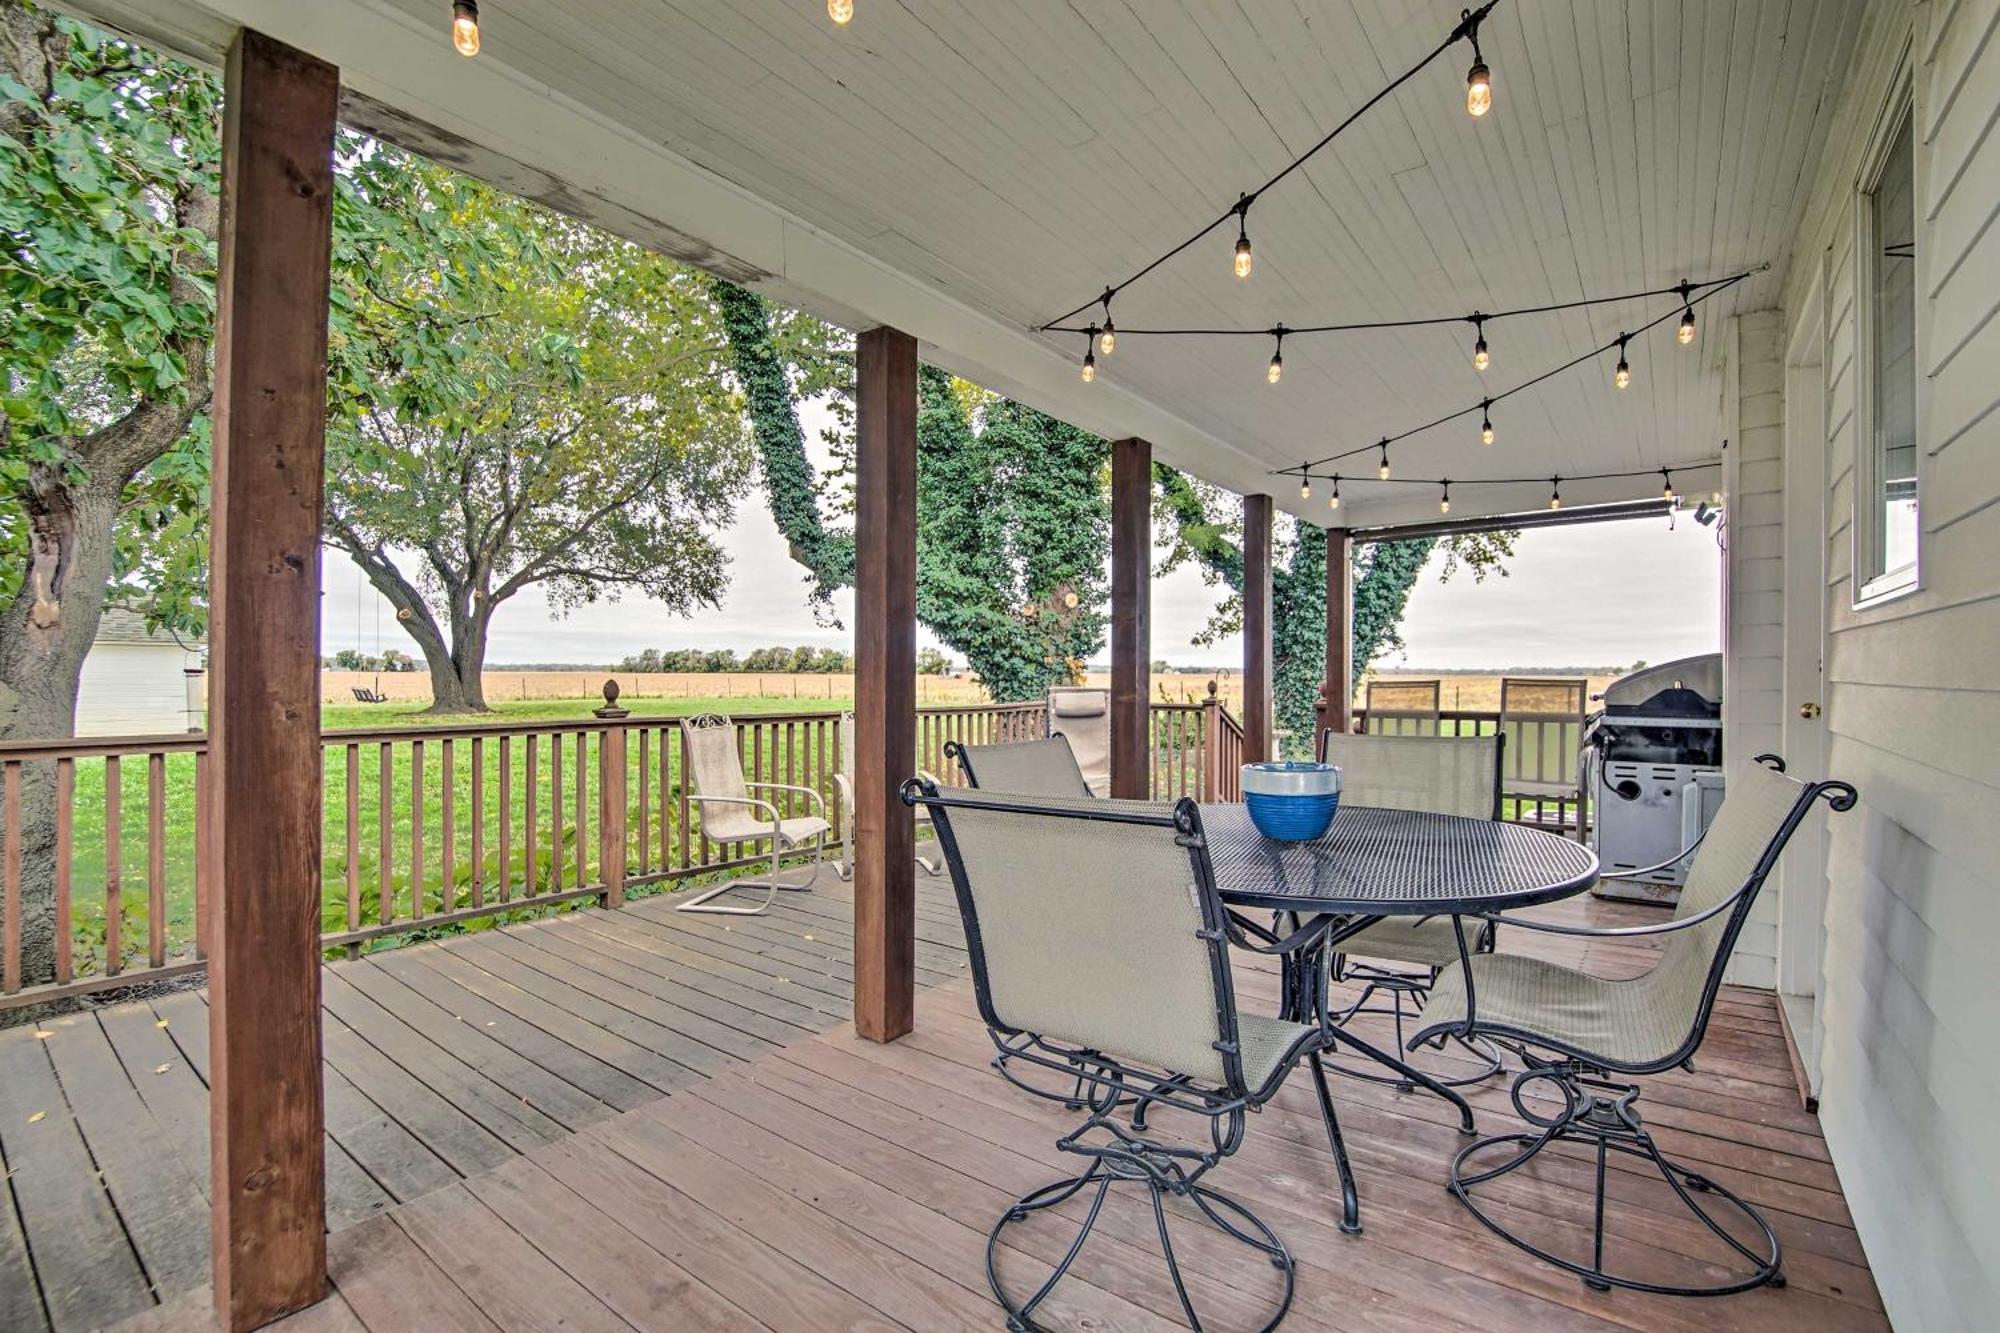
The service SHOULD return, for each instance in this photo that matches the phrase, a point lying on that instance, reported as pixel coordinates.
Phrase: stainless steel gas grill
(1652, 762)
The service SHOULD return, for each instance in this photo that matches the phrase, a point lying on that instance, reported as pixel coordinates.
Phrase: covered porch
(881, 175)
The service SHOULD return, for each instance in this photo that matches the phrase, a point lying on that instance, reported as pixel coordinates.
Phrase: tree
(1386, 574)
(528, 401)
(932, 662)
(1013, 523)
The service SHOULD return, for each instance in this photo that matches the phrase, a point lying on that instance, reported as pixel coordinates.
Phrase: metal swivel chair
(1398, 959)
(1100, 954)
(1582, 1037)
(1025, 768)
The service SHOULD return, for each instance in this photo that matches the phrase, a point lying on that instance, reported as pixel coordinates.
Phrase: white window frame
(1872, 584)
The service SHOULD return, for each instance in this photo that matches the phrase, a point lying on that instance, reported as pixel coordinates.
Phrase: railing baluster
(385, 833)
(200, 855)
(582, 812)
(10, 885)
(555, 812)
(506, 876)
(353, 836)
(447, 828)
(645, 803)
(156, 859)
(65, 857)
(114, 887)
(417, 830)
(479, 821)
(530, 786)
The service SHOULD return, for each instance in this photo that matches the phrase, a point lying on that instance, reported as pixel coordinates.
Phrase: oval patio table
(1374, 862)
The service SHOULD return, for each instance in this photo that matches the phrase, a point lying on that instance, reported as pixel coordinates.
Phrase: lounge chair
(729, 813)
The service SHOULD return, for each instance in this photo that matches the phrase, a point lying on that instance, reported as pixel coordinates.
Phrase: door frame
(1802, 874)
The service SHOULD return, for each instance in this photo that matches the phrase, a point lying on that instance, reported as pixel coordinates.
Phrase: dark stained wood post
(885, 683)
(1339, 713)
(267, 1122)
(1131, 617)
(1256, 628)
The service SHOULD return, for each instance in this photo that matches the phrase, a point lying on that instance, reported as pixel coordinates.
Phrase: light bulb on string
(1444, 500)
(1333, 502)
(1382, 471)
(1486, 422)
(1686, 332)
(1090, 355)
(1480, 358)
(840, 11)
(1277, 368)
(1555, 493)
(1305, 483)
(1108, 339)
(1667, 486)
(465, 27)
(1478, 79)
(1243, 236)
(1622, 377)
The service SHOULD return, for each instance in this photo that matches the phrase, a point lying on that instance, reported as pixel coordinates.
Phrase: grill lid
(1690, 688)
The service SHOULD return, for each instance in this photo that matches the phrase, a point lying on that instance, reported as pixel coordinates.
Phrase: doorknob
(1808, 711)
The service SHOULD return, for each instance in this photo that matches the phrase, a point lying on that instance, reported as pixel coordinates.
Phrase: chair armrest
(819, 801)
(1620, 932)
(930, 777)
(843, 789)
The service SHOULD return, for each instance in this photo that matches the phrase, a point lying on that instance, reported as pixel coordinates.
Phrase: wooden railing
(425, 828)
(1538, 779)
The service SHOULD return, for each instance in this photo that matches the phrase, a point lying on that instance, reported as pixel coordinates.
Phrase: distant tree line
(353, 659)
(802, 660)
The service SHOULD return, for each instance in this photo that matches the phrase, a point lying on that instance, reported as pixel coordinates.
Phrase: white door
(1802, 879)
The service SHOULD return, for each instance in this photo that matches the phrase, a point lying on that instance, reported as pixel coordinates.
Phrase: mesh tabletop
(1394, 863)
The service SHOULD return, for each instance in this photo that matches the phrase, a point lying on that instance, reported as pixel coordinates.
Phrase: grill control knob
(1808, 711)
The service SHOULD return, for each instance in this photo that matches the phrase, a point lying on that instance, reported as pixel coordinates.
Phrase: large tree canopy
(521, 400)
(1012, 521)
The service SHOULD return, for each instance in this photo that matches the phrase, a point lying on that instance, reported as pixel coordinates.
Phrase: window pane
(1895, 353)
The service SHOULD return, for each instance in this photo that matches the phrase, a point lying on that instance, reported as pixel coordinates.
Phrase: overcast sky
(1597, 595)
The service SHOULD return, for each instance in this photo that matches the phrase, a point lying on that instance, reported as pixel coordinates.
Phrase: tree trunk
(45, 634)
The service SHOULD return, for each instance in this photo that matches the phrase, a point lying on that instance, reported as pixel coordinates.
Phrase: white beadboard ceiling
(1013, 158)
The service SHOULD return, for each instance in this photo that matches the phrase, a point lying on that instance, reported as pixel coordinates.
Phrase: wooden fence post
(1211, 745)
(613, 806)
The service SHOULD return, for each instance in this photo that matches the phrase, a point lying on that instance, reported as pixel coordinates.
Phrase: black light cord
(1485, 404)
(1468, 28)
(1673, 468)
(1683, 293)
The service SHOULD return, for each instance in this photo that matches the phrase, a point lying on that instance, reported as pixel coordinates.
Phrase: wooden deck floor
(502, 1153)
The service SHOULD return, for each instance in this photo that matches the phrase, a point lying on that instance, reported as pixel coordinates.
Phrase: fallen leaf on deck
(43, 1034)
(161, 1069)
(39, 1115)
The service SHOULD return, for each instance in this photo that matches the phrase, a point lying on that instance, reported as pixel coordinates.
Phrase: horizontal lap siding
(1910, 1070)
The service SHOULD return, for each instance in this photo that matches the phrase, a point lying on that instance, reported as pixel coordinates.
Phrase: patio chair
(1100, 953)
(1403, 707)
(1081, 714)
(1574, 1031)
(729, 813)
(1025, 768)
(843, 787)
(1447, 775)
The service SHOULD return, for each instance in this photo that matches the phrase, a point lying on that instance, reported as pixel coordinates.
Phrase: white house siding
(1910, 987)
(133, 689)
(1753, 574)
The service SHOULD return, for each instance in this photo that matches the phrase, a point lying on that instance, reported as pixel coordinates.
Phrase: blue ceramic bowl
(1291, 802)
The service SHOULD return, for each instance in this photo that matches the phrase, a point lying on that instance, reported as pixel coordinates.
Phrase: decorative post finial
(611, 708)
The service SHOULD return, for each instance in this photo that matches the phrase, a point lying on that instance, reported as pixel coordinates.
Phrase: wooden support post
(1131, 618)
(885, 689)
(267, 1121)
(1339, 688)
(1257, 629)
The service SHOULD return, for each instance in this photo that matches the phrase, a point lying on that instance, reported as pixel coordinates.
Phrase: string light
(1305, 483)
(1382, 472)
(1107, 340)
(1555, 493)
(1667, 486)
(1480, 359)
(1090, 356)
(465, 27)
(1277, 357)
(1486, 422)
(1622, 377)
(1444, 501)
(1478, 79)
(1686, 333)
(840, 11)
(1243, 237)
(1334, 502)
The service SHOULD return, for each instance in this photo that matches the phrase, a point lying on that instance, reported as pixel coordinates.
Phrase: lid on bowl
(1291, 779)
